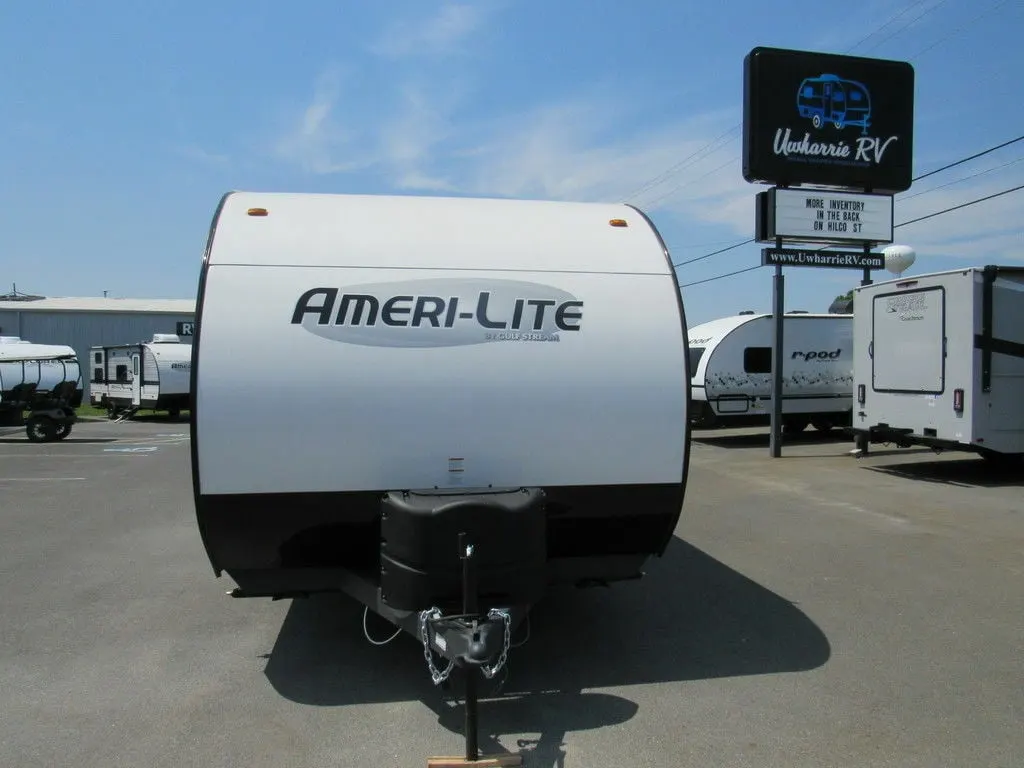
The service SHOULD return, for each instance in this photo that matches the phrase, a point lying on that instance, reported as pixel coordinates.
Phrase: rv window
(98, 357)
(757, 360)
(122, 373)
(696, 353)
(97, 374)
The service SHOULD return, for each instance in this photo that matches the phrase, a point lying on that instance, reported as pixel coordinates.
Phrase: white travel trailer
(940, 361)
(499, 394)
(43, 380)
(151, 375)
(731, 361)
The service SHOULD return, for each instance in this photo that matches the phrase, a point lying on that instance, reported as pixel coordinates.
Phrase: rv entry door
(908, 345)
(136, 381)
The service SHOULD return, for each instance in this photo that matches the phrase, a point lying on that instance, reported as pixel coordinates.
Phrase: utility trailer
(152, 375)
(40, 387)
(493, 404)
(940, 361)
(731, 362)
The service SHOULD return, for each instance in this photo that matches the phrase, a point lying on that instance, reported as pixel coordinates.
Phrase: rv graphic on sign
(831, 99)
(823, 119)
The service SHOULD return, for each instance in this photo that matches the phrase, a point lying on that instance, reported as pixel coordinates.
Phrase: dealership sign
(840, 121)
(794, 257)
(817, 216)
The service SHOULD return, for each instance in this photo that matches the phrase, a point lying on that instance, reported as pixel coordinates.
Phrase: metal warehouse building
(86, 322)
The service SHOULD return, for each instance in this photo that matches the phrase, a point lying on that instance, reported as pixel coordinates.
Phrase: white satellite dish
(898, 258)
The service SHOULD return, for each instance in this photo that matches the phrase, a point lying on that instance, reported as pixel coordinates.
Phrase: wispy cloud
(415, 134)
(587, 147)
(423, 136)
(317, 139)
(441, 34)
(200, 155)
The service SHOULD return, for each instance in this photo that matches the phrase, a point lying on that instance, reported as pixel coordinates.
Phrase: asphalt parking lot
(814, 610)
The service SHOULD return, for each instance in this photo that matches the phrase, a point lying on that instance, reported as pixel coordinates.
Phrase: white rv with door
(510, 371)
(151, 375)
(731, 361)
(940, 361)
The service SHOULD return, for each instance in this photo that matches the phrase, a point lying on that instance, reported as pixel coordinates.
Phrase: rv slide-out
(515, 371)
(940, 361)
(731, 364)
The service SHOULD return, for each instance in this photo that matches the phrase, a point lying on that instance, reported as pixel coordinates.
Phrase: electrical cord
(366, 632)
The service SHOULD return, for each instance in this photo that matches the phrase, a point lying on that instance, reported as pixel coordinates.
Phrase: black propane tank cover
(420, 558)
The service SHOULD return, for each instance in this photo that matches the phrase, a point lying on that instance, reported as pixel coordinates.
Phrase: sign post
(834, 135)
(778, 315)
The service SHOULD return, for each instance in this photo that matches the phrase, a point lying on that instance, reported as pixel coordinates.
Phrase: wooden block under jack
(498, 761)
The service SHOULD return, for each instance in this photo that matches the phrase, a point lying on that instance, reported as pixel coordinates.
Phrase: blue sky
(124, 122)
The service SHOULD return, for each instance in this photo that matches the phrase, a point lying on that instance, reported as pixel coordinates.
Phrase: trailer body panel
(940, 360)
(151, 375)
(439, 344)
(731, 360)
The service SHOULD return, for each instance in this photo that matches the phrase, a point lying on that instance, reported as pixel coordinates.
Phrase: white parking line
(39, 479)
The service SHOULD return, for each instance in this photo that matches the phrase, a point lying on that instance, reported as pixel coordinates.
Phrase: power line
(972, 157)
(886, 24)
(688, 182)
(962, 205)
(713, 253)
(664, 175)
(960, 29)
(678, 166)
(902, 224)
(962, 179)
(719, 277)
(668, 172)
(917, 178)
(706, 244)
(909, 23)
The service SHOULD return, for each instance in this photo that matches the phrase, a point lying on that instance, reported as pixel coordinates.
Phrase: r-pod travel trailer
(42, 380)
(152, 375)
(492, 402)
(940, 361)
(731, 361)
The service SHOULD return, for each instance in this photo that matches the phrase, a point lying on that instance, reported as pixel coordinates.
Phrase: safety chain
(439, 676)
(497, 613)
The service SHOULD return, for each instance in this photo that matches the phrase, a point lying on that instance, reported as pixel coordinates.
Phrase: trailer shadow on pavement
(762, 439)
(969, 472)
(691, 618)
